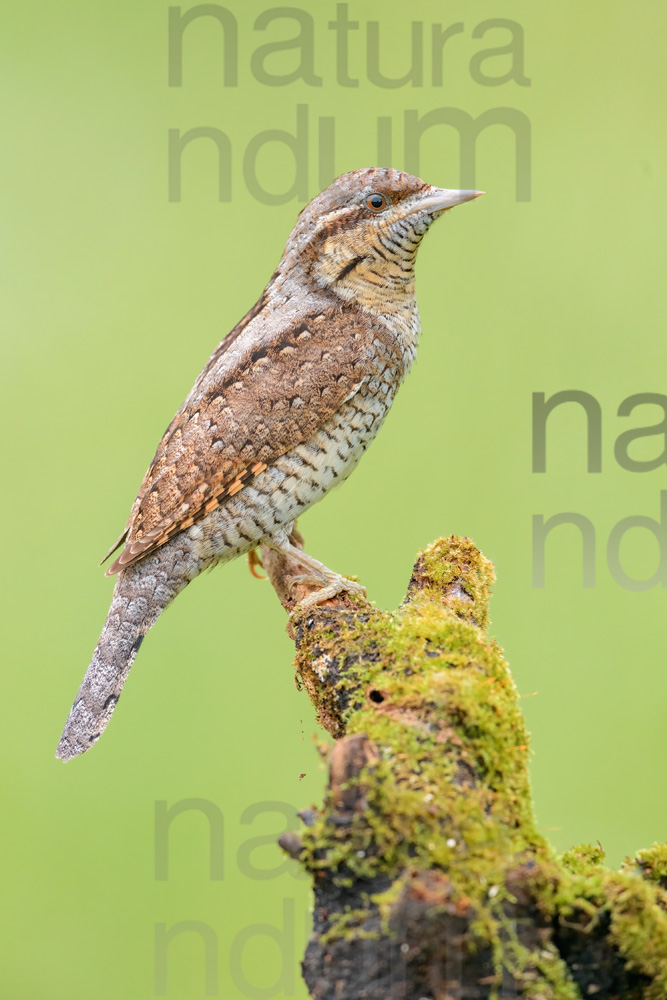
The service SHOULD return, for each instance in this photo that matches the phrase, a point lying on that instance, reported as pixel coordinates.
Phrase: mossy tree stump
(430, 877)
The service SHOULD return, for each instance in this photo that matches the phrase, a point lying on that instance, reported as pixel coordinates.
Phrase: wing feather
(244, 414)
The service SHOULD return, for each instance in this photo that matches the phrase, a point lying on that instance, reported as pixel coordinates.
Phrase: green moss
(437, 717)
(448, 787)
(582, 859)
(348, 926)
(652, 864)
(386, 901)
(639, 928)
(634, 907)
(456, 562)
(540, 972)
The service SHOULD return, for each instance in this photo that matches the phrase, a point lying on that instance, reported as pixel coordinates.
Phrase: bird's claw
(254, 561)
(333, 588)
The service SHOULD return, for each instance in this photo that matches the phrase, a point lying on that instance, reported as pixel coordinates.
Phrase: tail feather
(139, 598)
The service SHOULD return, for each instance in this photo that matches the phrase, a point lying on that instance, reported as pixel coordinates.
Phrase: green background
(113, 299)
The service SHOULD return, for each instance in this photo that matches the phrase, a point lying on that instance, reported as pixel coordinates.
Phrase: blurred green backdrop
(112, 300)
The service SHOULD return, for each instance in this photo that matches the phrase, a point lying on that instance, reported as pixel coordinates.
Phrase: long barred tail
(141, 593)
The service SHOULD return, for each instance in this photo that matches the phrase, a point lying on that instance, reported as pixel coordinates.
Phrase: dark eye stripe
(349, 267)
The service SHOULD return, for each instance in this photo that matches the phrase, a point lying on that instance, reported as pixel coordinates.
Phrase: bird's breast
(301, 477)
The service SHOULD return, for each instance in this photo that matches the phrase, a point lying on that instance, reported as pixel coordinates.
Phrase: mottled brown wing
(236, 423)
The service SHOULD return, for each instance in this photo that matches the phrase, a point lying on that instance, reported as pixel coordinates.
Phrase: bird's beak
(440, 200)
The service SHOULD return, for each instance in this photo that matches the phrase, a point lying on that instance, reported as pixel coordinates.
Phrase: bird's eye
(376, 202)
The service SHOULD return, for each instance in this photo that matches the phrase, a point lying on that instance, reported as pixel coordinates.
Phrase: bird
(281, 413)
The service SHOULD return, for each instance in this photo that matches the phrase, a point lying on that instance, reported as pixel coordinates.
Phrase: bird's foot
(329, 584)
(336, 585)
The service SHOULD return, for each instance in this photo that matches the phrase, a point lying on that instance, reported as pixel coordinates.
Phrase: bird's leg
(332, 583)
(254, 559)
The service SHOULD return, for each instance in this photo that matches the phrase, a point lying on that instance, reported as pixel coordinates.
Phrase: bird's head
(360, 236)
